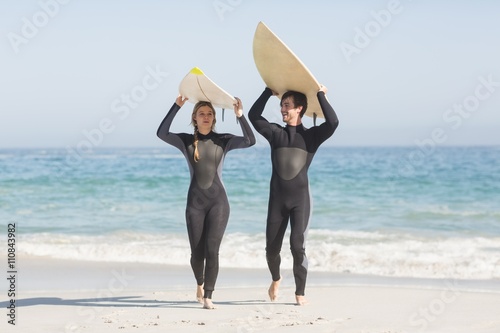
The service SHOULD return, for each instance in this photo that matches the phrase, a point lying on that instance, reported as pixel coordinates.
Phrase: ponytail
(196, 155)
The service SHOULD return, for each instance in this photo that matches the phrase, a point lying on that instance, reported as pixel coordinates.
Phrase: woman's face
(204, 118)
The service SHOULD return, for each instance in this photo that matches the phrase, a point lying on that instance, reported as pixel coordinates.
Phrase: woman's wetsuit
(207, 210)
(292, 150)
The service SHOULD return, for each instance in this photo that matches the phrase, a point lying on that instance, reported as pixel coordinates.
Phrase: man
(292, 150)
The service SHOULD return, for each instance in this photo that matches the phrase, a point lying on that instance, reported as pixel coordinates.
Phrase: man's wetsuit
(207, 210)
(292, 150)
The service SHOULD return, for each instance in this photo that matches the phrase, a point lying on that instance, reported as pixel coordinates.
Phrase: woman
(207, 210)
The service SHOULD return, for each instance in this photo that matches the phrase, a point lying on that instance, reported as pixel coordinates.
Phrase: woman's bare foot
(273, 290)
(301, 300)
(199, 294)
(207, 304)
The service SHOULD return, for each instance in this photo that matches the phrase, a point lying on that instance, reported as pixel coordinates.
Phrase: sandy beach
(83, 296)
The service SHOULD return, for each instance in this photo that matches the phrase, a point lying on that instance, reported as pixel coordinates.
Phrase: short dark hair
(299, 99)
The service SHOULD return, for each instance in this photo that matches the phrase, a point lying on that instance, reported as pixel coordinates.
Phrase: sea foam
(374, 253)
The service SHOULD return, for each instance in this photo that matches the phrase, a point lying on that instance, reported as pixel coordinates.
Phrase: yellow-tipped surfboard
(196, 86)
(282, 70)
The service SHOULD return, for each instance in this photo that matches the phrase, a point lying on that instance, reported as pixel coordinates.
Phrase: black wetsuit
(207, 210)
(292, 150)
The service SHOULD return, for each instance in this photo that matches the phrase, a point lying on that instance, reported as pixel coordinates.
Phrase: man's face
(288, 110)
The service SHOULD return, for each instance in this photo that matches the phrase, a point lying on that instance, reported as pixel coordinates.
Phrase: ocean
(422, 212)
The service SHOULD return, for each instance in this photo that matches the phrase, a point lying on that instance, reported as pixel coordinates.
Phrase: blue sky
(104, 73)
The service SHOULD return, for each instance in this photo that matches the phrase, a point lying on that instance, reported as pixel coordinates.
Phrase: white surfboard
(196, 86)
(282, 70)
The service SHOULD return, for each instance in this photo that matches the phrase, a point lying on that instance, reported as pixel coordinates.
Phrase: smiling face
(204, 118)
(289, 112)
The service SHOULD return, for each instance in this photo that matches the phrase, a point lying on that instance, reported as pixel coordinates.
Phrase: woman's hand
(238, 107)
(180, 100)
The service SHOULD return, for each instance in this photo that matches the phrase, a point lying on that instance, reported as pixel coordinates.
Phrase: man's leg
(275, 232)
(299, 223)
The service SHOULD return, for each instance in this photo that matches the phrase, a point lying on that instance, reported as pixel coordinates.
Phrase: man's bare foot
(199, 294)
(301, 300)
(273, 290)
(207, 304)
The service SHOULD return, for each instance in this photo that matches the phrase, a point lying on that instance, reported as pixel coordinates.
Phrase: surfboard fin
(314, 118)
(223, 113)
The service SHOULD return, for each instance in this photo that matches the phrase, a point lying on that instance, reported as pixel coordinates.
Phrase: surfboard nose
(196, 71)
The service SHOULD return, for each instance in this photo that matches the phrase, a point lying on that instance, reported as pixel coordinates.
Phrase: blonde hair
(198, 105)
